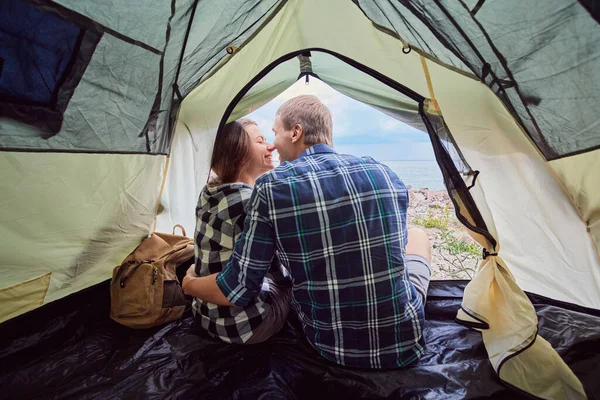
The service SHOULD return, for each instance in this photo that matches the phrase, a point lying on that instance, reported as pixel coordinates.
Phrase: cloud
(390, 124)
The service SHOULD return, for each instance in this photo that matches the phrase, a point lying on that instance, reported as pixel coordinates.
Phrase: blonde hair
(312, 115)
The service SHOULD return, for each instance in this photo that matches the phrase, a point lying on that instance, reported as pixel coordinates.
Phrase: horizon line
(407, 159)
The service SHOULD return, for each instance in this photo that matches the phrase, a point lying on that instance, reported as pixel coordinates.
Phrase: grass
(456, 252)
(456, 246)
(434, 221)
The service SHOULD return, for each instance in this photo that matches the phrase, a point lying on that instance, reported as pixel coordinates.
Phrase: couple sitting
(357, 278)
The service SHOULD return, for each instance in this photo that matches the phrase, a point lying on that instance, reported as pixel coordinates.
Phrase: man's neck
(301, 149)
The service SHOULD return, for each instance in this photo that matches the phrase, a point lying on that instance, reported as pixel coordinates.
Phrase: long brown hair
(231, 152)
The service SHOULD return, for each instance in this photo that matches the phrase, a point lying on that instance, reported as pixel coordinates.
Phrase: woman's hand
(204, 287)
(190, 275)
(191, 271)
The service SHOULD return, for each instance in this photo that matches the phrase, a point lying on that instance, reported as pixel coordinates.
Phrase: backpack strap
(180, 227)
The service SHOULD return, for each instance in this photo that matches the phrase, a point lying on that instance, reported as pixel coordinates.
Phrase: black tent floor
(71, 349)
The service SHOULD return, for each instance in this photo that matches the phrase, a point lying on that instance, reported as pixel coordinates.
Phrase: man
(338, 224)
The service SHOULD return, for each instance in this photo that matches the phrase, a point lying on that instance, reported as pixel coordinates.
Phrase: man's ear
(297, 133)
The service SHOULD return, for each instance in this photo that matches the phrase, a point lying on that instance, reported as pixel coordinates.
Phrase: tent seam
(162, 187)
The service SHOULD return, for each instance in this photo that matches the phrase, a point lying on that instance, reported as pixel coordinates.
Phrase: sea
(418, 173)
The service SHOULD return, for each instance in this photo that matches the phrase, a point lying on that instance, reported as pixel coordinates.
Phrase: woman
(240, 156)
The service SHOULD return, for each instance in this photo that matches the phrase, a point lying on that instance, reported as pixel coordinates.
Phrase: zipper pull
(154, 275)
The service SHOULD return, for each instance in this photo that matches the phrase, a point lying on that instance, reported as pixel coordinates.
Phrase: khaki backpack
(144, 290)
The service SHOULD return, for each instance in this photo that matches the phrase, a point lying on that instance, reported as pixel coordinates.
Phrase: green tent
(108, 114)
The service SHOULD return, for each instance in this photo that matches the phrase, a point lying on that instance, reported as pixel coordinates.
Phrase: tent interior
(106, 132)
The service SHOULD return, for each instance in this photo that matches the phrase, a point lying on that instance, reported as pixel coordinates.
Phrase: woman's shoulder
(228, 189)
(224, 196)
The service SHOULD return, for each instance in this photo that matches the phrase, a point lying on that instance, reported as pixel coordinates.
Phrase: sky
(358, 129)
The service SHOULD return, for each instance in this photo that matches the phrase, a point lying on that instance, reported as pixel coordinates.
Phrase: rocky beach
(455, 255)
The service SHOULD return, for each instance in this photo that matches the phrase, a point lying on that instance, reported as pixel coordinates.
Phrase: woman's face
(260, 158)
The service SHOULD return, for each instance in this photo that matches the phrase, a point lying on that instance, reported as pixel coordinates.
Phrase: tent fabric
(25, 296)
(108, 110)
(584, 190)
(71, 349)
(124, 102)
(76, 221)
(495, 305)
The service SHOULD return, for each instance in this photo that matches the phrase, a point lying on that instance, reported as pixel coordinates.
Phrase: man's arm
(243, 276)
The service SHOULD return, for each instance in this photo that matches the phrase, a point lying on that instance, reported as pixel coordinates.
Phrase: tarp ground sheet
(71, 349)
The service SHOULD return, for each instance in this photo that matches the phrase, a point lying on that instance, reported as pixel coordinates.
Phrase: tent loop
(474, 174)
(231, 49)
(305, 66)
(487, 254)
(405, 46)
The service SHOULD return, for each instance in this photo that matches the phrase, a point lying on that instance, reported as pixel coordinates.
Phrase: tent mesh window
(488, 38)
(41, 63)
(435, 124)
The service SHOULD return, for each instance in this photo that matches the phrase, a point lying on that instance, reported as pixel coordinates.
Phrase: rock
(418, 197)
(436, 204)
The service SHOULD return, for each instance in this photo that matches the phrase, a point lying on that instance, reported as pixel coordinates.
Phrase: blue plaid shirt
(338, 223)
